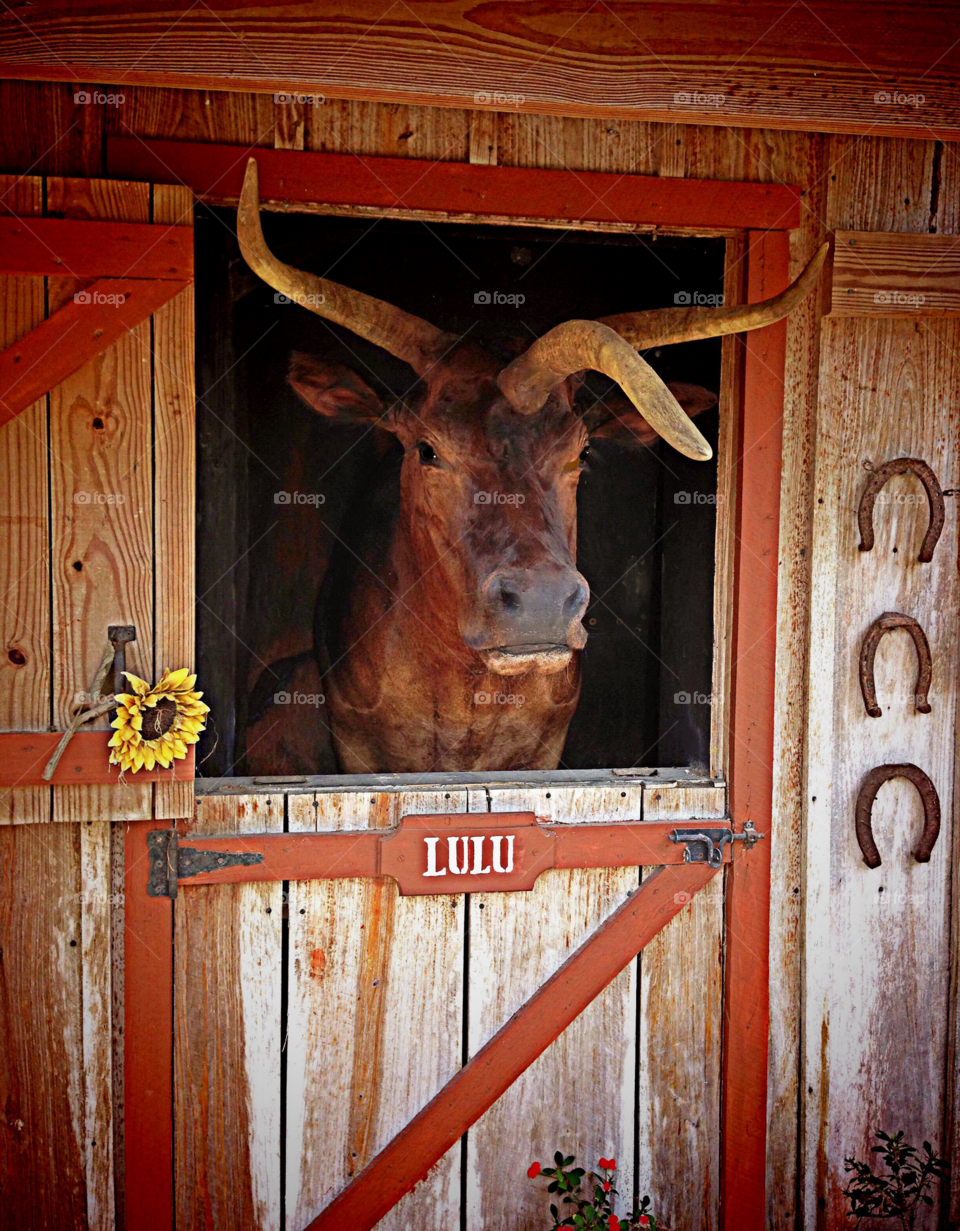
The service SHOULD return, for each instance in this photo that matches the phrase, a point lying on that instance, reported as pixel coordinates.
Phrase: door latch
(705, 844)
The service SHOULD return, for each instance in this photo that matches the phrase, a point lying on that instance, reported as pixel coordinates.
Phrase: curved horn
(404, 335)
(664, 326)
(575, 345)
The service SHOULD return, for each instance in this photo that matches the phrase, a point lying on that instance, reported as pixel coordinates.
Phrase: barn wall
(847, 389)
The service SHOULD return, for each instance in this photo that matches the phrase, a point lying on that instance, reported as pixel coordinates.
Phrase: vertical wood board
(228, 944)
(579, 1096)
(374, 1016)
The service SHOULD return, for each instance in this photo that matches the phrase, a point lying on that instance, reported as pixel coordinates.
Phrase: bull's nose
(535, 606)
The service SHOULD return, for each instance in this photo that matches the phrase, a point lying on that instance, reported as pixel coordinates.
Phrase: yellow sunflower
(155, 725)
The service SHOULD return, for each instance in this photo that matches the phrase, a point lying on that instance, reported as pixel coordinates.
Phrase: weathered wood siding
(96, 483)
(875, 391)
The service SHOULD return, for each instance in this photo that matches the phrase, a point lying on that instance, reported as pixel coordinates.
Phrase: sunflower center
(159, 719)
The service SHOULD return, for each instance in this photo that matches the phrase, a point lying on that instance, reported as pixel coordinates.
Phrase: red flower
(614, 1223)
(533, 1170)
(643, 1220)
(608, 1164)
(606, 1186)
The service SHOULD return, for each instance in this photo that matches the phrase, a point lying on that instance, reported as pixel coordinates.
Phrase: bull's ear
(334, 391)
(615, 418)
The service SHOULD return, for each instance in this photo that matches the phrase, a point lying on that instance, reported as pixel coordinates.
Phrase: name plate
(463, 852)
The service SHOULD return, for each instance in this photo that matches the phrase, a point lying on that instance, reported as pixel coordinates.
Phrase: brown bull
(463, 586)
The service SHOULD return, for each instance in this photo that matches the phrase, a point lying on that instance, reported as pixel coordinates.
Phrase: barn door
(313, 1019)
(96, 530)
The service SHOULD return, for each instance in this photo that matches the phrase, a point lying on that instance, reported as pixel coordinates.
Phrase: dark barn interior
(646, 515)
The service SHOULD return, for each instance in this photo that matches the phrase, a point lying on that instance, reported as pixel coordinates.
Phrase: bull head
(493, 450)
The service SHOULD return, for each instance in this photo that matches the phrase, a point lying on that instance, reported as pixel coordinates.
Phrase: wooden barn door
(96, 529)
(313, 1019)
(290, 1075)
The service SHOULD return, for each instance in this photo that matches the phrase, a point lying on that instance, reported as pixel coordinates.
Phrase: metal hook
(878, 478)
(868, 653)
(868, 793)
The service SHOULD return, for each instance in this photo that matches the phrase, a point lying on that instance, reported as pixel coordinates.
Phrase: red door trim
(747, 904)
(147, 1043)
(215, 172)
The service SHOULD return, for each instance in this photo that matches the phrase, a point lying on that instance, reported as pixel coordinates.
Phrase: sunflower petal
(141, 687)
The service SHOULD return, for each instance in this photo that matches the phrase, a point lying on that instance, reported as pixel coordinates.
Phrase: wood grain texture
(580, 1095)
(895, 274)
(731, 393)
(714, 64)
(174, 459)
(681, 992)
(25, 541)
(96, 900)
(43, 1172)
(145, 977)
(101, 504)
(228, 942)
(804, 157)
(374, 1024)
(874, 1044)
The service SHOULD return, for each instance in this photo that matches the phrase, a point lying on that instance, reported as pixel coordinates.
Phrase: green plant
(902, 1189)
(589, 1197)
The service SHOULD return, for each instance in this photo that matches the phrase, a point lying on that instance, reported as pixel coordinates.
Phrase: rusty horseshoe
(868, 793)
(868, 653)
(901, 465)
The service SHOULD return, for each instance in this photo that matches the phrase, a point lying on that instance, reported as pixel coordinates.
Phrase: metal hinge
(170, 862)
(705, 845)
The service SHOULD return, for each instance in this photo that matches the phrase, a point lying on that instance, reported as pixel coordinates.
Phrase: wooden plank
(712, 64)
(790, 716)
(101, 503)
(401, 854)
(731, 394)
(579, 1096)
(86, 762)
(681, 996)
(887, 274)
(64, 247)
(175, 463)
(147, 1043)
(227, 1039)
(84, 327)
(374, 1024)
(875, 1046)
(43, 1172)
(747, 903)
(96, 900)
(25, 543)
(527, 1034)
(216, 173)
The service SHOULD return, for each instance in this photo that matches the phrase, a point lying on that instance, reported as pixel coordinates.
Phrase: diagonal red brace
(84, 327)
(463, 1100)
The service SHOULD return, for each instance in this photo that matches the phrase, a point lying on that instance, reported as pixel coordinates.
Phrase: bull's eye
(584, 453)
(427, 454)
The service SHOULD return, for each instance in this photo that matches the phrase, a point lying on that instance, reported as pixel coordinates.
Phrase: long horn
(404, 335)
(664, 326)
(576, 345)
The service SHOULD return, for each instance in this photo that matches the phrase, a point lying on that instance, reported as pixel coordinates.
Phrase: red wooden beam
(402, 852)
(498, 1064)
(148, 1043)
(216, 172)
(93, 320)
(747, 900)
(86, 761)
(73, 248)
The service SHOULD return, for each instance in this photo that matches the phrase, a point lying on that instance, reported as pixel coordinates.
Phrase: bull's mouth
(547, 657)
